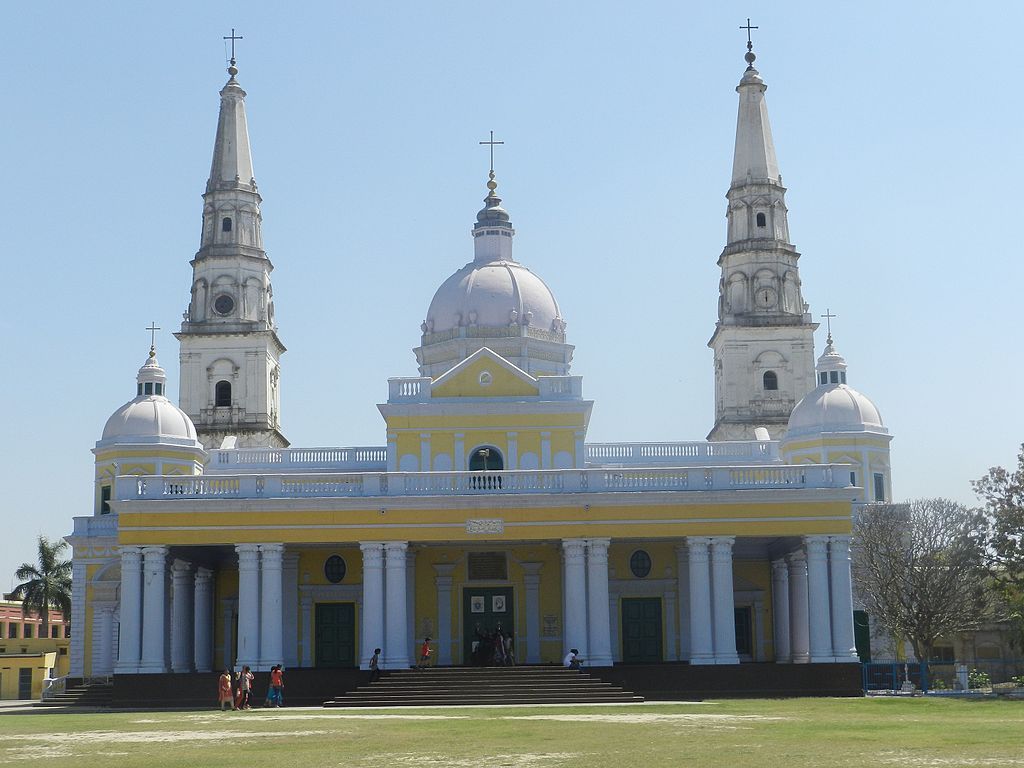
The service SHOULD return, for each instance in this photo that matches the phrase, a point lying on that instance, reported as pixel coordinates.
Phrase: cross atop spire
(232, 69)
(749, 56)
(828, 322)
(153, 328)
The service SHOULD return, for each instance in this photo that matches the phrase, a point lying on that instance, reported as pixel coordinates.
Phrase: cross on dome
(491, 183)
(153, 328)
(828, 323)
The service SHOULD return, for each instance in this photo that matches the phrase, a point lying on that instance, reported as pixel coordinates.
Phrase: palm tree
(45, 586)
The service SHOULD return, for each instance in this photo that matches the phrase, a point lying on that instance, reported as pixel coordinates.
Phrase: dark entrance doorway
(641, 629)
(745, 631)
(335, 635)
(484, 611)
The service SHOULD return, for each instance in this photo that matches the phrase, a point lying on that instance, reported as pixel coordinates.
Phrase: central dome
(499, 294)
(495, 302)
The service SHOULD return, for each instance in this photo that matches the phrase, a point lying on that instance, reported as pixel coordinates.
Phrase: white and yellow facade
(485, 508)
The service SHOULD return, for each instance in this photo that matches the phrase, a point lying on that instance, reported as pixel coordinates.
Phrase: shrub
(977, 678)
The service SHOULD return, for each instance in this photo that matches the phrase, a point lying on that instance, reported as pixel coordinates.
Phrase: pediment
(485, 373)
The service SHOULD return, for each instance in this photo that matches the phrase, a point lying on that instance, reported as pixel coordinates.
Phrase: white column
(154, 606)
(425, 452)
(724, 604)
(392, 450)
(460, 458)
(799, 643)
(599, 634)
(105, 664)
(202, 632)
(819, 614)
(443, 581)
(575, 594)
(531, 582)
(79, 587)
(668, 599)
(182, 607)
(410, 605)
(581, 450)
(512, 459)
(228, 613)
(701, 648)
(545, 454)
(271, 617)
(683, 585)
(780, 610)
(373, 601)
(396, 644)
(307, 631)
(130, 638)
(290, 608)
(248, 653)
(844, 645)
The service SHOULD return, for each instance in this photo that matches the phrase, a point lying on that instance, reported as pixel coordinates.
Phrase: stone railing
(98, 525)
(280, 459)
(551, 481)
(417, 389)
(681, 454)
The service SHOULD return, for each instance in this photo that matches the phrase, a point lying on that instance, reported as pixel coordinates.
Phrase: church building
(213, 542)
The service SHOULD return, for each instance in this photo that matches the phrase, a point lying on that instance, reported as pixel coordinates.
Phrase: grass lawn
(762, 733)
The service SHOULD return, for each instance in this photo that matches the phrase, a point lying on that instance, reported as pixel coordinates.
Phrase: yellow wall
(12, 663)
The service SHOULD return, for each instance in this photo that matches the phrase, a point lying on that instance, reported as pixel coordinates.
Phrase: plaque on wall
(487, 566)
(477, 603)
(497, 603)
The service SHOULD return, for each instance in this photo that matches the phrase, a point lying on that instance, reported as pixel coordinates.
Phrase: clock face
(765, 298)
(223, 304)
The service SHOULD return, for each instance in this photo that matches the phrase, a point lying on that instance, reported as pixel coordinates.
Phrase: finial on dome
(491, 183)
(153, 328)
(749, 56)
(232, 69)
(828, 325)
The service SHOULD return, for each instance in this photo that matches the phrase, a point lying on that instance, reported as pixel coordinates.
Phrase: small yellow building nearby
(486, 521)
(22, 674)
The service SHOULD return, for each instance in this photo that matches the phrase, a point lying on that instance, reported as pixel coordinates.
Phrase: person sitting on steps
(572, 659)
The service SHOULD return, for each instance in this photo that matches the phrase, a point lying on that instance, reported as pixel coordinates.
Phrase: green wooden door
(641, 629)
(335, 635)
(484, 610)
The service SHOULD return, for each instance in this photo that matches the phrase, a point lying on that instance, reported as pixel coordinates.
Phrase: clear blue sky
(898, 132)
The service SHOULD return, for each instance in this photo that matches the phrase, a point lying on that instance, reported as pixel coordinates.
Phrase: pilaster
(799, 628)
(701, 643)
(780, 610)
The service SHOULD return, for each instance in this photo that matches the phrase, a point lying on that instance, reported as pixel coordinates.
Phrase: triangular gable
(485, 374)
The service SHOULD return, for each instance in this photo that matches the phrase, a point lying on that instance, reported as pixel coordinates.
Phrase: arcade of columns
(811, 606)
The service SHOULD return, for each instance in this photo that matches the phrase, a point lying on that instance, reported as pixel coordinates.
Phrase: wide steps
(487, 686)
(81, 696)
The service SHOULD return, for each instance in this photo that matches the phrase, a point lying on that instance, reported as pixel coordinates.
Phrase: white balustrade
(548, 481)
(684, 453)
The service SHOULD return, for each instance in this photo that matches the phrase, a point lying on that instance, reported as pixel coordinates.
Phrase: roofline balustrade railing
(409, 484)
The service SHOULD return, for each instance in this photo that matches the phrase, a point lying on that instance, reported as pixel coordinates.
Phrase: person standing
(425, 653)
(245, 679)
(375, 665)
(276, 694)
(224, 695)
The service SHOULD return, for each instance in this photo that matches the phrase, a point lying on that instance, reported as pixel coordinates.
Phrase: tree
(1003, 494)
(920, 569)
(45, 586)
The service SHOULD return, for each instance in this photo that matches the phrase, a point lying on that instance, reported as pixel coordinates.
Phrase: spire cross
(750, 44)
(491, 143)
(828, 321)
(234, 37)
(153, 327)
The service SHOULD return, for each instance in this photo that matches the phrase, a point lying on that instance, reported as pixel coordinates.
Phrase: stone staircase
(99, 696)
(482, 686)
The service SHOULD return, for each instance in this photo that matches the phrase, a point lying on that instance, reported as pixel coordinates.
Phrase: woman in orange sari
(224, 691)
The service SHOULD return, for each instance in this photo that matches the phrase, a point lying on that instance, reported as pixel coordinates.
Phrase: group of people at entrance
(492, 649)
(236, 692)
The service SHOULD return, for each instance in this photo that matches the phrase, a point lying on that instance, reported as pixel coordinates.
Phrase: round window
(334, 569)
(223, 304)
(640, 564)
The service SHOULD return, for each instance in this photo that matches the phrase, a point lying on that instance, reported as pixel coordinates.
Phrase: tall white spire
(230, 350)
(764, 338)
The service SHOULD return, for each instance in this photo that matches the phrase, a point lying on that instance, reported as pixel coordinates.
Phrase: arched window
(222, 394)
(771, 380)
(486, 459)
(761, 222)
(225, 225)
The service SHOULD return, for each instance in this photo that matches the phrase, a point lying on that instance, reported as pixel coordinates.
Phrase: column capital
(395, 548)
(203, 575)
(131, 556)
(780, 568)
(272, 549)
(836, 543)
(697, 548)
(444, 569)
(248, 556)
(796, 559)
(815, 546)
(722, 544)
(572, 549)
(155, 551)
(598, 543)
(531, 569)
(181, 568)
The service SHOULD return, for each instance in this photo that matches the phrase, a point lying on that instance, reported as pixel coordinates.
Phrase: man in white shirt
(572, 659)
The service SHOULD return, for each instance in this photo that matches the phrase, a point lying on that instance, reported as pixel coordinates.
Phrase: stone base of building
(660, 682)
(680, 681)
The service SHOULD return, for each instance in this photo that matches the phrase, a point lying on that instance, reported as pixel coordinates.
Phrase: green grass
(762, 733)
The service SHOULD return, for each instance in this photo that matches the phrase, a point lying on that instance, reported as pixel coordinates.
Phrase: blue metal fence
(940, 675)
